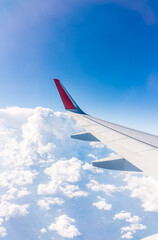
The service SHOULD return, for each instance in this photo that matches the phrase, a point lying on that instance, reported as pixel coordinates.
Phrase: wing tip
(56, 80)
(67, 100)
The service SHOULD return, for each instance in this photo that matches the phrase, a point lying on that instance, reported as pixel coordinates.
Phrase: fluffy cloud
(127, 217)
(32, 139)
(144, 188)
(89, 167)
(38, 134)
(45, 203)
(62, 174)
(43, 230)
(33, 143)
(108, 189)
(14, 193)
(128, 231)
(17, 177)
(64, 227)
(102, 204)
(127, 235)
(3, 232)
(8, 210)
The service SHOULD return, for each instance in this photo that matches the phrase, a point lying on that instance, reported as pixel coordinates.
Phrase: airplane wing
(153, 237)
(136, 150)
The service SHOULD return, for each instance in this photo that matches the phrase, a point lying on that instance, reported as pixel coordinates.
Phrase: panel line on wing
(87, 116)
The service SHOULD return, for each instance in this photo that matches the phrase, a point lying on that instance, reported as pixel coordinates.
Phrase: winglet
(67, 100)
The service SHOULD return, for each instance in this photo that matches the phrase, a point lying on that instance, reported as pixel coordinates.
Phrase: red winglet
(64, 96)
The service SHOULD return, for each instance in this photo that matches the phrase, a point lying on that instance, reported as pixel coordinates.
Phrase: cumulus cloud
(42, 135)
(144, 188)
(102, 204)
(64, 227)
(127, 217)
(108, 189)
(45, 203)
(128, 231)
(32, 145)
(43, 230)
(89, 167)
(14, 193)
(8, 210)
(3, 232)
(16, 177)
(62, 174)
(29, 139)
(127, 235)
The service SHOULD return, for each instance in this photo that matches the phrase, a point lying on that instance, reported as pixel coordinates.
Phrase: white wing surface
(136, 151)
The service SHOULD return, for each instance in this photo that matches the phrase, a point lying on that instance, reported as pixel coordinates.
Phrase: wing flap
(85, 136)
(115, 163)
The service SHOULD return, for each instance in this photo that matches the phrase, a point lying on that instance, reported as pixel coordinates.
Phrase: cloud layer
(48, 176)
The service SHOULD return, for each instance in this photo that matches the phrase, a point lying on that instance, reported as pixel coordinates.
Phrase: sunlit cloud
(102, 204)
(135, 225)
(39, 171)
(65, 227)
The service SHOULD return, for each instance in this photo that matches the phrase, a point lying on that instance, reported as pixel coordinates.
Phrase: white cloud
(18, 177)
(133, 227)
(127, 217)
(64, 227)
(66, 170)
(38, 134)
(144, 188)
(122, 216)
(102, 204)
(3, 232)
(108, 189)
(45, 203)
(92, 156)
(38, 139)
(128, 231)
(127, 235)
(62, 174)
(71, 191)
(14, 182)
(14, 193)
(89, 167)
(43, 230)
(97, 145)
(8, 210)
(1, 221)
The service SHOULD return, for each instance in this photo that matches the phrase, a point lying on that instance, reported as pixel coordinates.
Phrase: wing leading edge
(135, 148)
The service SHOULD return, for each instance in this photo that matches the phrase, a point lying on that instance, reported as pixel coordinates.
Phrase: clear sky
(105, 52)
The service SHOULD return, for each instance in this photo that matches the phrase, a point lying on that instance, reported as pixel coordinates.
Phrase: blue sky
(105, 53)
